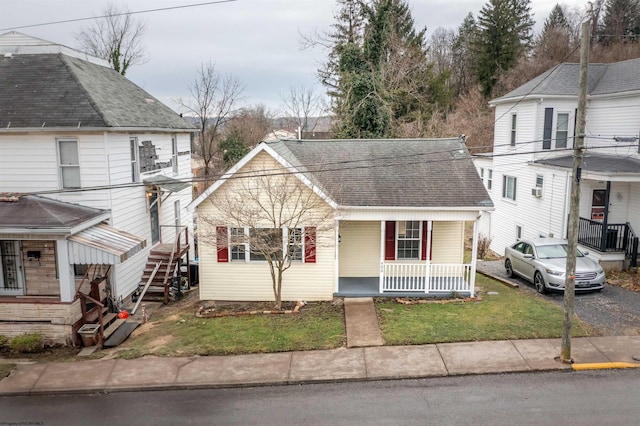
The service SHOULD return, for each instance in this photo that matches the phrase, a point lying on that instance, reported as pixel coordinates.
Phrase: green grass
(511, 314)
(317, 326)
(5, 369)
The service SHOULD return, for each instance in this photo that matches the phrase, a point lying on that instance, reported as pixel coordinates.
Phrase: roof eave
(67, 129)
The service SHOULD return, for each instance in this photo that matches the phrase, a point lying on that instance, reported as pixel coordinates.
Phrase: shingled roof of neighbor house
(35, 212)
(563, 80)
(431, 173)
(55, 90)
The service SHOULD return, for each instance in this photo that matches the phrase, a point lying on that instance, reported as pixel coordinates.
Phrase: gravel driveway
(614, 311)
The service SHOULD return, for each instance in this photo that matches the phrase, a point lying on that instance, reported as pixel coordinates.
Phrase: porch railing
(618, 237)
(413, 277)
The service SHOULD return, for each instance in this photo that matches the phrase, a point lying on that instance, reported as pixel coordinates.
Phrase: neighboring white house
(396, 212)
(75, 131)
(532, 161)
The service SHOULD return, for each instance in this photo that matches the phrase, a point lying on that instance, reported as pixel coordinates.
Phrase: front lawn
(509, 314)
(317, 326)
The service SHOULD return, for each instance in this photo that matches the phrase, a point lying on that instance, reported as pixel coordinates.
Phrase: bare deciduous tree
(212, 102)
(301, 107)
(272, 215)
(252, 124)
(115, 37)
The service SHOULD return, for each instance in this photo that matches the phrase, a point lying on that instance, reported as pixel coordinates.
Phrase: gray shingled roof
(597, 163)
(34, 212)
(563, 79)
(428, 173)
(57, 90)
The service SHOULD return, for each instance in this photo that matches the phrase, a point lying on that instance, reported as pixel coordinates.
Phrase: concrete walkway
(371, 363)
(361, 323)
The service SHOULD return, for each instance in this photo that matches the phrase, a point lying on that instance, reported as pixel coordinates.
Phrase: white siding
(252, 280)
(359, 249)
(448, 242)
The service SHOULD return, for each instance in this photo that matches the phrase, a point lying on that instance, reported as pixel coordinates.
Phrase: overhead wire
(160, 9)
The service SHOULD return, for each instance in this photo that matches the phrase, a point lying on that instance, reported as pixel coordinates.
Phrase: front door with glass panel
(11, 283)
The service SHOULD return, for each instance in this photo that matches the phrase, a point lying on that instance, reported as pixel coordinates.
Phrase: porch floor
(370, 287)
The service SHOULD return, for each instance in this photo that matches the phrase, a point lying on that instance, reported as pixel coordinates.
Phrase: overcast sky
(256, 40)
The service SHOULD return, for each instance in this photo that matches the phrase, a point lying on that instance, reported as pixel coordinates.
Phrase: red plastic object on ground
(123, 314)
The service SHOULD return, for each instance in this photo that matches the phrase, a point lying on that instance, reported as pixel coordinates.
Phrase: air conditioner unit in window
(536, 192)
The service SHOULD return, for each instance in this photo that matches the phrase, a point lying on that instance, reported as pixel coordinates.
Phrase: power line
(283, 171)
(162, 9)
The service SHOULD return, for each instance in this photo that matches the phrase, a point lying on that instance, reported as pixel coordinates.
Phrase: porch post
(66, 277)
(427, 277)
(474, 259)
(605, 218)
(382, 234)
(337, 259)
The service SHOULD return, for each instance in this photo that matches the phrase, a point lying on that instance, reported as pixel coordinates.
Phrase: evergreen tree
(232, 148)
(620, 22)
(504, 35)
(555, 42)
(463, 61)
(383, 77)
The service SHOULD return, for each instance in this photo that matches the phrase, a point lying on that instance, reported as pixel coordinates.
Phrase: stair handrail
(100, 306)
(174, 249)
(146, 287)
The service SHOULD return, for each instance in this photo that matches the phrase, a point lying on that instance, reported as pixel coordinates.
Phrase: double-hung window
(174, 154)
(68, 162)
(489, 178)
(514, 122)
(408, 239)
(134, 154)
(562, 129)
(237, 244)
(509, 187)
(295, 243)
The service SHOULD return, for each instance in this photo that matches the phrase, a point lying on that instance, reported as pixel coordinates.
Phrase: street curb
(603, 365)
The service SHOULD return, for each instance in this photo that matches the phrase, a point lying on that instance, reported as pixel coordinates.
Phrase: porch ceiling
(103, 244)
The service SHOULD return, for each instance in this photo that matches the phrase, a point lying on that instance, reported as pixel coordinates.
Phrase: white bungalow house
(395, 213)
(93, 171)
(532, 161)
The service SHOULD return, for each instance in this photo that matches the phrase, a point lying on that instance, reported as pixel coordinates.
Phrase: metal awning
(103, 244)
(166, 183)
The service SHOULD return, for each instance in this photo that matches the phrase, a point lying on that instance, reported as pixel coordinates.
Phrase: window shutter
(310, 245)
(222, 241)
(425, 235)
(389, 240)
(548, 128)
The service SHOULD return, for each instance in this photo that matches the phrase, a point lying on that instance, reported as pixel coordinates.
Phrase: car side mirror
(586, 253)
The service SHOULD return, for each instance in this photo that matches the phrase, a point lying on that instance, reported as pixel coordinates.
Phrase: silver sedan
(543, 261)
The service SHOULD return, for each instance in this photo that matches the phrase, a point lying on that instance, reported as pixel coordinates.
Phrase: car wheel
(508, 268)
(538, 281)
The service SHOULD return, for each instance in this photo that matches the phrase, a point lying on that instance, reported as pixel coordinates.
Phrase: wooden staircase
(163, 264)
(93, 293)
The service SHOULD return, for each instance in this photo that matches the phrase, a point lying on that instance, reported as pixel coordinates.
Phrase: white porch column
(474, 258)
(66, 276)
(337, 260)
(427, 283)
(382, 241)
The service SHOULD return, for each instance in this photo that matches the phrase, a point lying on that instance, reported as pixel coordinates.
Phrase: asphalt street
(568, 398)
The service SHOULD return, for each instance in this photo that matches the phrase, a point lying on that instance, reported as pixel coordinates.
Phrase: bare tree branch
(300, 105)
(116, 38)
(213, 100)
(271, 205)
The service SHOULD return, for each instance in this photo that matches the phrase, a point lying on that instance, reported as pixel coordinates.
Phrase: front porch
(610, 238)
(411, 280)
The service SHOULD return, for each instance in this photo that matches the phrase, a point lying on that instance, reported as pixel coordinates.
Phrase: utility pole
(574, 211)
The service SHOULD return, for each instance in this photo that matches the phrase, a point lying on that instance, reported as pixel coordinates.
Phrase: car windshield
(554, 251)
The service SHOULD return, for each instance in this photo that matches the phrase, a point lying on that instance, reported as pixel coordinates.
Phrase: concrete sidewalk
(370, 363)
